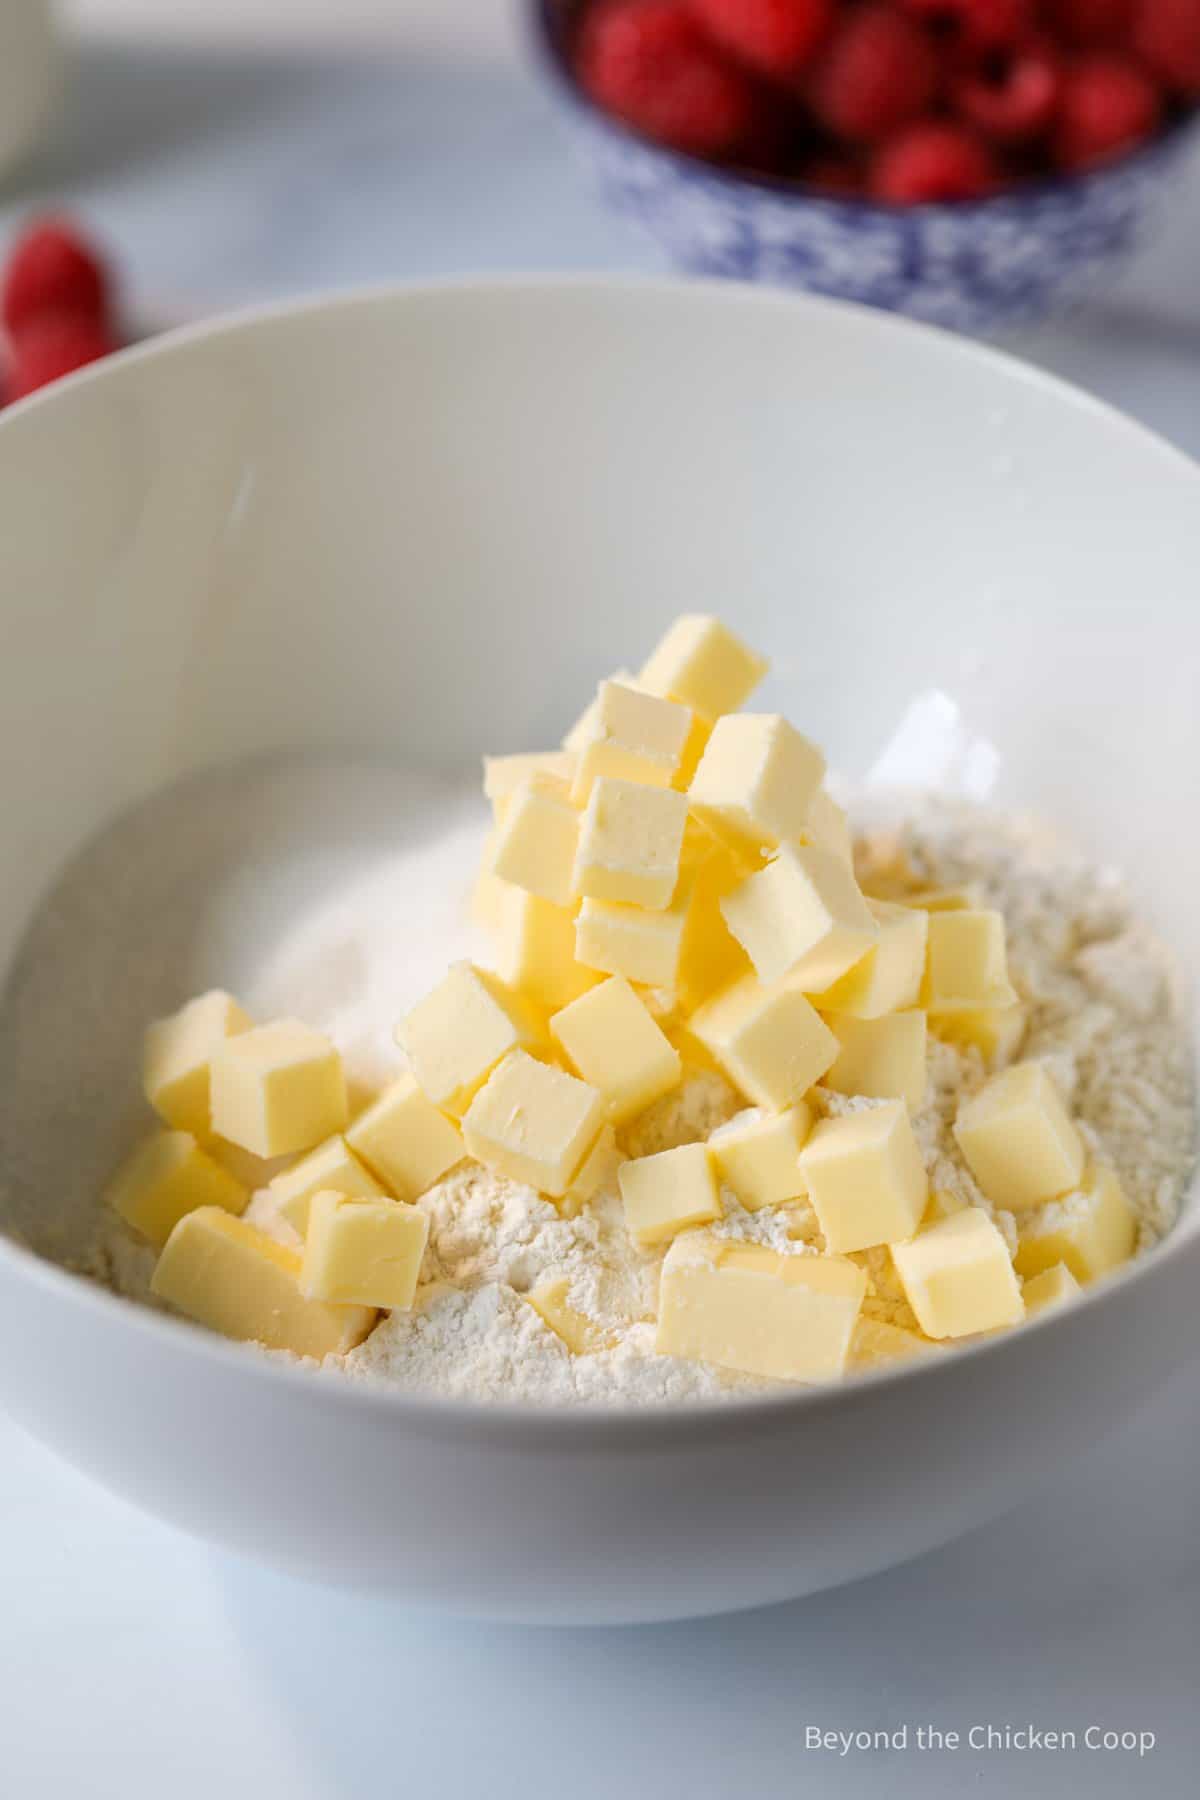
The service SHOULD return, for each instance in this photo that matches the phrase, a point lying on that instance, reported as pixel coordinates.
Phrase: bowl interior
(394, 531)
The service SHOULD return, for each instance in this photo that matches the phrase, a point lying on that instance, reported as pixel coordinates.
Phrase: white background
(240, 149)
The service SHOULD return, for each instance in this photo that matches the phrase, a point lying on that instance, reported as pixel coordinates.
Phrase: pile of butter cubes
(673, 887)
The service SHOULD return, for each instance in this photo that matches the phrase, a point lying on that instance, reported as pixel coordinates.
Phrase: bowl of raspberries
(976, 163)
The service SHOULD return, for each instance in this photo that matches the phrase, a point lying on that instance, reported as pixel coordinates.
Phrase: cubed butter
(611, 1042)
(176, 1057)
(888, 978)
(278, 1088)
(802, 917)
(533, 1123)
(1092, 1230)
(1018, 1138)
(669, 1192)
(997, 1033)
(233, 1278)
(167, 1176)
(701, 664)
(503, 775)
(865, 1177)
(363, 1252)
(582, 1336)
(630, 842)
(966, 967)
(616, 939)
(742, 1306)
(770, 1041)
(599, 1169)
(710, 957)
(1053, 1287)
(876, 1343)
(404, 1140)
(759, 1157)
(828, 826)
(756, 780)
(331, 1165)
(881, 1059)
(537, 840)
(635, 736)
(456, 1035)
(958, 1277)
(535, 949)
(584, 728)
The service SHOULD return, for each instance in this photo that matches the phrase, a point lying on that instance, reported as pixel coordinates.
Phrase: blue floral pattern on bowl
(974, 266)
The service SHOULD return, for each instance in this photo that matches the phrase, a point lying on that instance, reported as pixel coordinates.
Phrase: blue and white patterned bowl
(975, 266)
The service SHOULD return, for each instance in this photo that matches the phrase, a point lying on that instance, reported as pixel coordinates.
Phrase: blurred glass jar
(30, 70)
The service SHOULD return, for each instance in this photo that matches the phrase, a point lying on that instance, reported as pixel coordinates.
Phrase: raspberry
(974, 24)
(1108, 106)
(835, 176)
(1010, 96)
(1088, 24)
(1166, 35)
(877, 72)
(776, 37)
(932, 161)
(51, 268)
(648, 62)
(54, 344)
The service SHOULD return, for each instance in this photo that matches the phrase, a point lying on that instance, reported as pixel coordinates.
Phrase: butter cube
(998, 1032)
(456, 1035)
(888, 979)
(756, 781)
(770, 1041)
(710, 957)
(536, 841)
(958, 1278)
(828, 826)
(598, 1169)
(801, 916)
(535, 950)
(701, 664)
(881, 1059)
(581, 1335)
(876, 1343)
(759, 1157)
(742, 1306)
(865, 1176)
(332, 1165)
(966, 968)
(630, 842)
(1092, 1230)
(1053, 1287)
(584, 728)
(533, 1123)
(363, 1252)
(635, 736)
(644, 946)
(227, 1275)
(176, 1056)
(610, 1040)
(1018, 1138)
(167, 1176)
(504, 775)
(278, 1088)
(669, 1192)
(404, 1140)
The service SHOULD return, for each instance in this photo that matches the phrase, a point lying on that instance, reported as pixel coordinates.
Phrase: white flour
(1102, 1015)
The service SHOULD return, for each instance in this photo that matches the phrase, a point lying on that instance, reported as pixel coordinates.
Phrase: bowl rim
(586, 1426)
(551, 52)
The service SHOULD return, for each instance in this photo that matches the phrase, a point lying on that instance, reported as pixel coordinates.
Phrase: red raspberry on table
(1107, 107)
(649, 63)
(1166, 35)
(877, 72)
(54, 344)
(974, 24)
(835, 176)
(51, 268)
(776, 37)
(1010, 96)
(930, 161)
(1088, 24)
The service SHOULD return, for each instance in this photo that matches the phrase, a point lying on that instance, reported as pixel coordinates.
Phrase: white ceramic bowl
(419, 523)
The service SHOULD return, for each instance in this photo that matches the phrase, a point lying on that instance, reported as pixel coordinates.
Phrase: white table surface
(241, 152)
